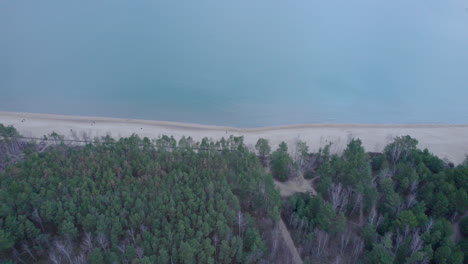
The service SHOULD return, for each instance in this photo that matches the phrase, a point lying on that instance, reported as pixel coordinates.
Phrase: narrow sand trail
(457, 236)
(296, 258)
(288, 188)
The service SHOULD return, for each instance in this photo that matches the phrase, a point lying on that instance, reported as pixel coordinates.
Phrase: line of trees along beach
(136, 200)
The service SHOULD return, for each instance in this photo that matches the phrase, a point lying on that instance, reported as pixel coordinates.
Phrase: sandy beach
(447, 141)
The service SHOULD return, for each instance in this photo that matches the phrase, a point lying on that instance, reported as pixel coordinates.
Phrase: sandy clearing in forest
(447, 141)
(295, 185)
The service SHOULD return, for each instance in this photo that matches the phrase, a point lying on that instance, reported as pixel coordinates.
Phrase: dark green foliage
(316, 212)
(263, 148)
(8, 131)
(137, 201)
(369, 235)
(6, 242)
(253, 244)
(408, 201)
(379, 255)
(96, 257)
(464, 226)
(379, 161)
(446, 255)
(281, 163)
(419, 210)
(130, 201)
(12, 149)
(390, 201)
(352, 173)
(356, 170)
(445, 192)
(406, 219)
(463, 244)
(432, 162)
(405, 177)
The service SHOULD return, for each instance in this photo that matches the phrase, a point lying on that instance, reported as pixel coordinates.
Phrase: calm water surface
(238, 63)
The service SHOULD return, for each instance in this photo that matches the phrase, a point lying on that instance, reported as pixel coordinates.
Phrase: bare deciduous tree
(338, 197)
(87, 242)
(416, 243)
(143, 229)
(359, 205)
(102, 241)
(411, 200)
(399, 239)
(122, 247)
(429, 224)
(372, 218)
(131, 233)
(322, 239)
(55, 257)
(36, 217)
(338, 260)
(344, 241)
(80, 259)
(215, 240)
(26, 249)
(139, 252)
(17, 256)
(357, 246)
(64, 248)
(301, 154)
(240, 222)
(400, 148)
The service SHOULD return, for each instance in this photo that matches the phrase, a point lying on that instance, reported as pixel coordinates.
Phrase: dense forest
(400, 206)
(136, 200)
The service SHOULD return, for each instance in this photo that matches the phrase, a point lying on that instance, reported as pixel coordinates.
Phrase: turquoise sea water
(239, 63)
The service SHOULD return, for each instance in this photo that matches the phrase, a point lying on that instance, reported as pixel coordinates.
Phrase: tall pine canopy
(137, 201)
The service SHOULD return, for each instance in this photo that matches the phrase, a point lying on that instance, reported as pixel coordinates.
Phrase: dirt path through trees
(288, 188)
(296, 258)
(456, 236)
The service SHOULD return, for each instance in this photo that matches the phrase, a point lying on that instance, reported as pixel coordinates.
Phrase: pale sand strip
(295, 257)
(447, 141)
